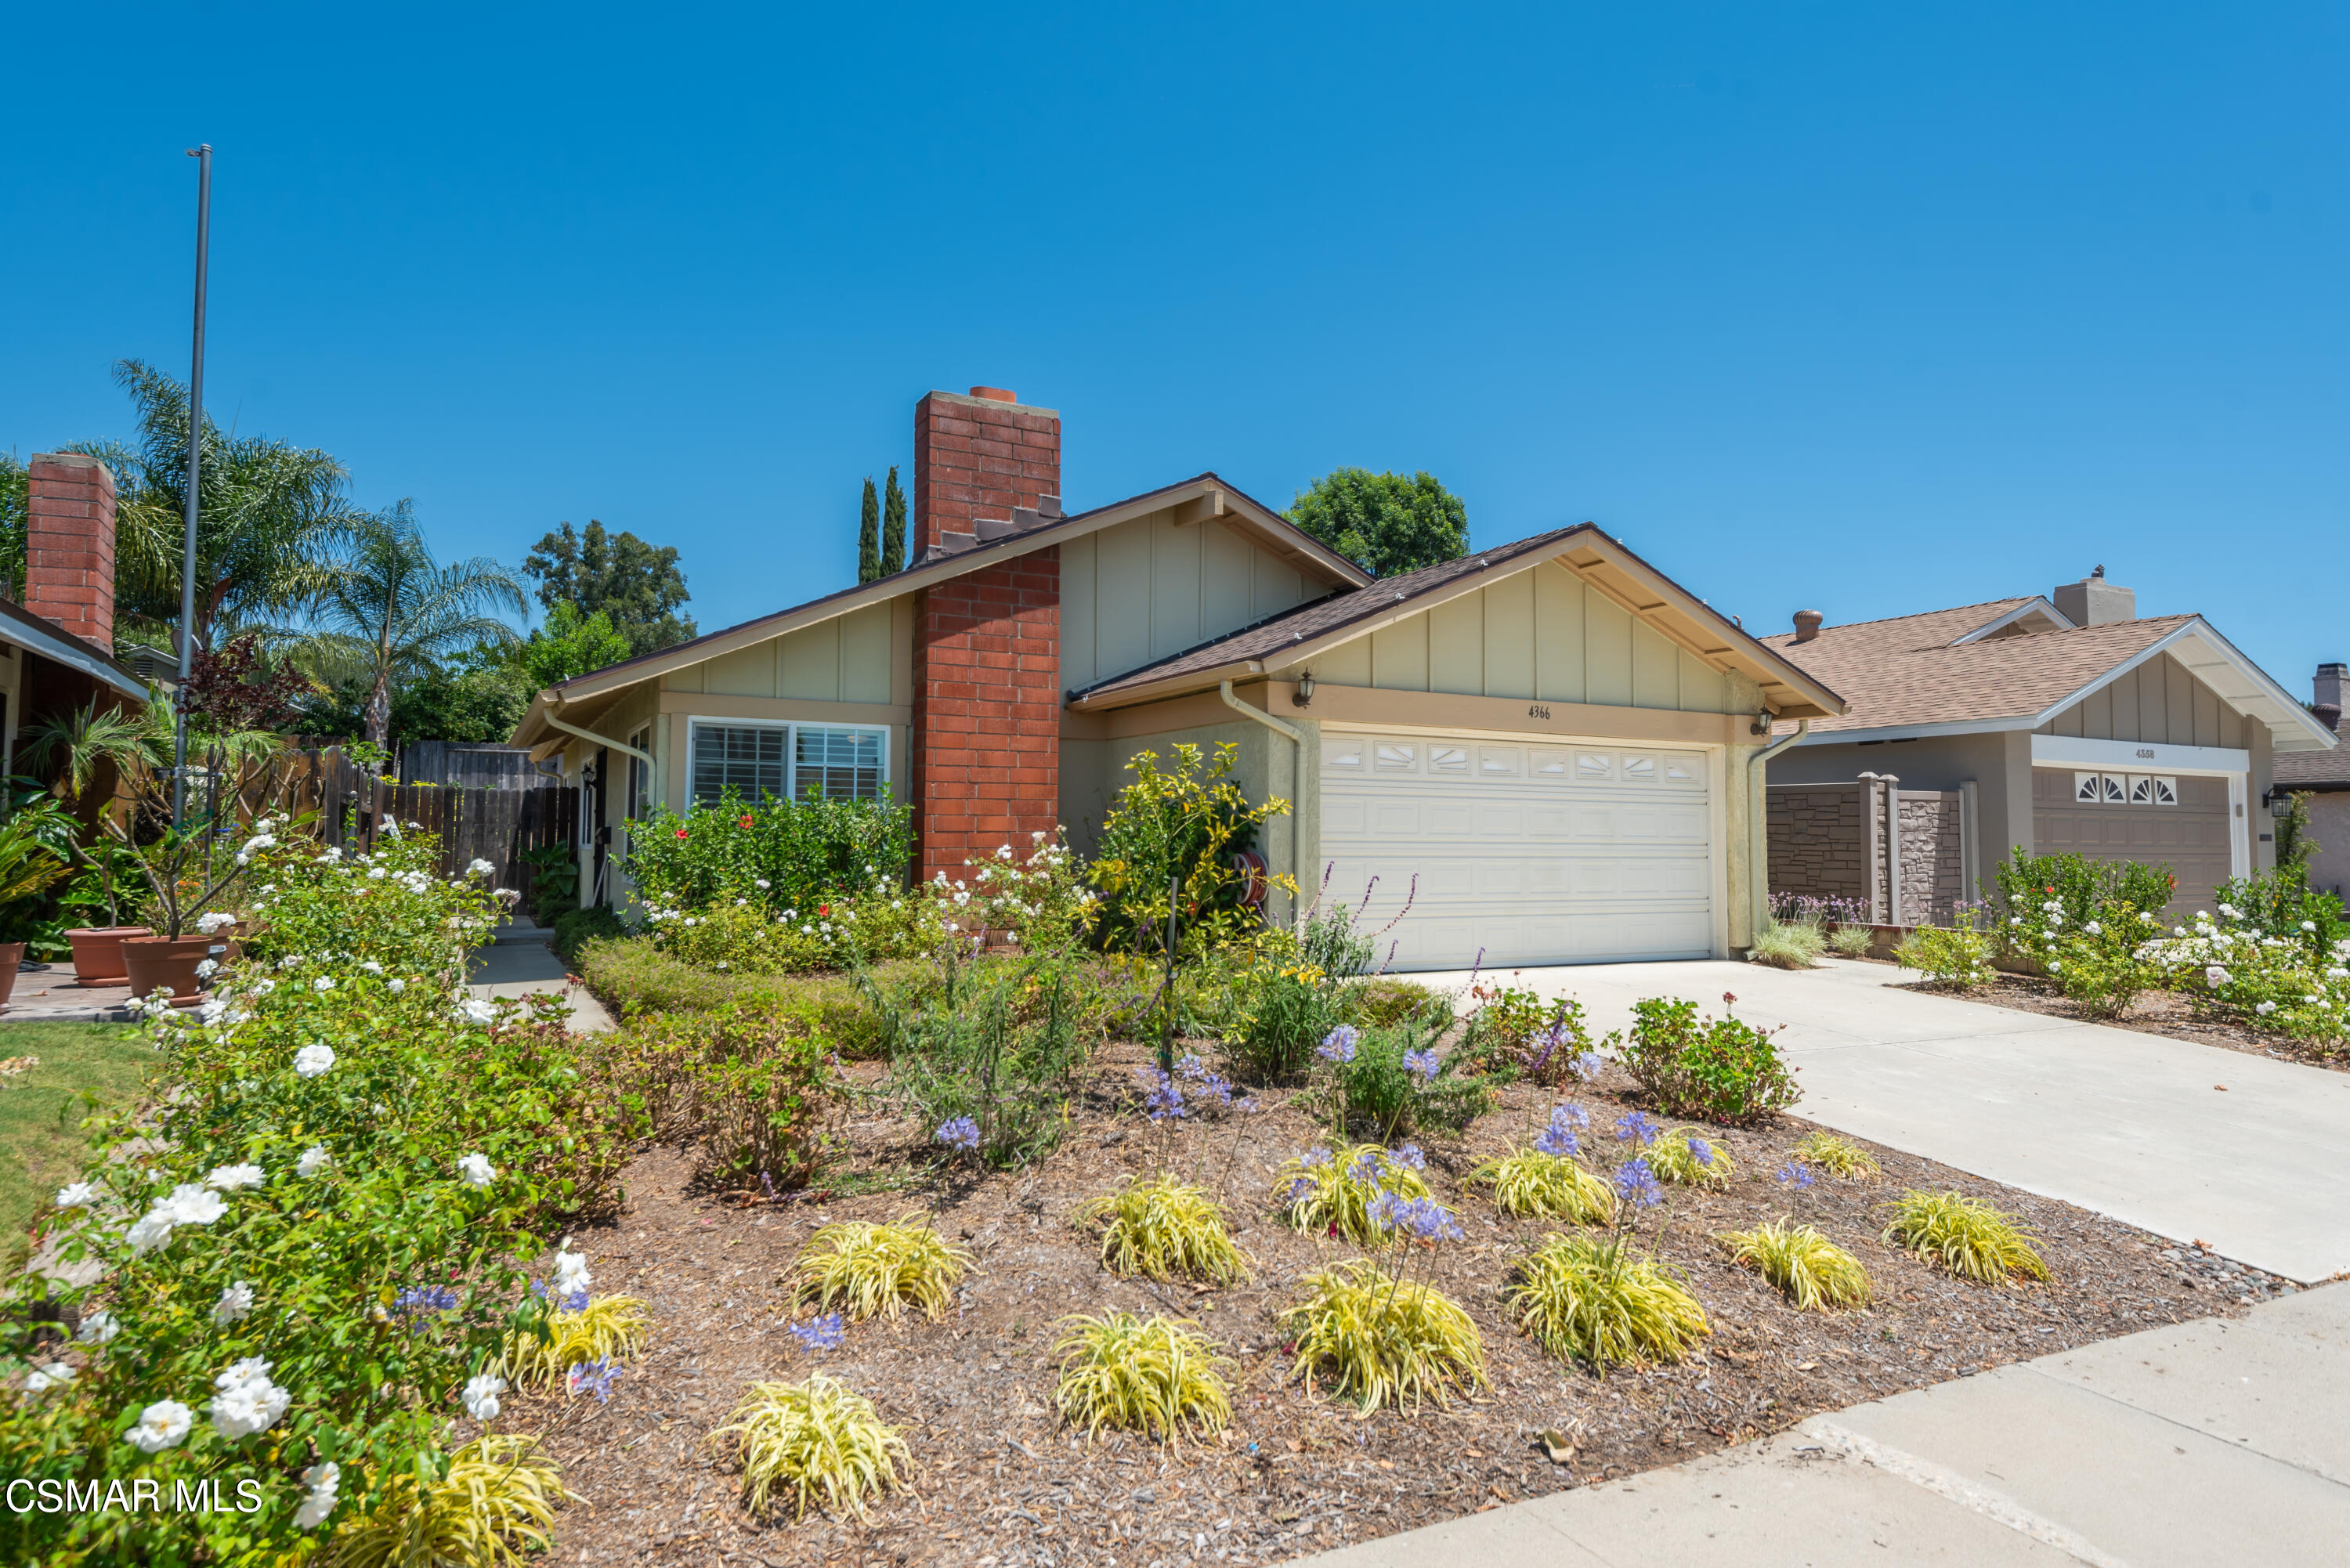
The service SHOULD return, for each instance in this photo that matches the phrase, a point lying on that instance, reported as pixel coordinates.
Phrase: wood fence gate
(353, 808)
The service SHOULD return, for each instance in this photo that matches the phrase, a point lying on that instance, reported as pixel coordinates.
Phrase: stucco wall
(2329, 823)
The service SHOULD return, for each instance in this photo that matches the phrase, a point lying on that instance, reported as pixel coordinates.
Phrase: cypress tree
(893, 527)
(869, 536)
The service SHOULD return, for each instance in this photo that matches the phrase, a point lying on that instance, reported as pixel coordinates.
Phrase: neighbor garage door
(2160, 819)
(1556, 853)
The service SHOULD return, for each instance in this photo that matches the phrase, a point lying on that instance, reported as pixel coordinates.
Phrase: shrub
(1840, 1157)
(1319, 1191)
(818, 1439)
(777, 855)
(1383, 1341)
(1293, 1014)
(1516, 1033)
(1164, 1229)
(1719, 1068)
(2281, 904)
(1814, 1272)
(1953, 958)
(2106, 962)
(1180, 827)
(1383, 1001)
(872, 1270)
(1394, 1079)
(751, 1088)
(1592, 1301)
(1001, 1043)
(1686, 1158)
(1964, 1235)
(1155, 1376)
(1852, 942)
(2278, 983)
(574, 929)
(494, 1504)
(553, 889)
(633, 975)
(1530, 1185)
(1786, 946)
(2033, 889)
(605, 1328)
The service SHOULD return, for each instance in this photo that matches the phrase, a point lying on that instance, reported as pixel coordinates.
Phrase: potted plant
(84, 743)
(28, 869)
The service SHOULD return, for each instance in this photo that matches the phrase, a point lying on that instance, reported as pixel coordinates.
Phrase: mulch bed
(998, 1481)
(2164, 1013)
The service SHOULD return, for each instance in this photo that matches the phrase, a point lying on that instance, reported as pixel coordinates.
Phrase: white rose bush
(310, 1241)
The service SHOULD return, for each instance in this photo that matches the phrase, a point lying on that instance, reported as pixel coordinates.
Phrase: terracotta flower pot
(166, 961)
(98, 953)
(11, 955)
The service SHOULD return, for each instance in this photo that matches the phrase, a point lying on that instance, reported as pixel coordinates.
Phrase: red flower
(746, 822)
(681, 832)
(823, 910)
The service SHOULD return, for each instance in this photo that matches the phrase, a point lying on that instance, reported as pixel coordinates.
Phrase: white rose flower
(55, 1374)
(79, 1195)
(396, 987)
(477, 1009)
(97, 1328)
(235, 1303)
(761, 883)
(322, 1480)
(480, 868)
(248, 1402)
(230, 1178)
(314, 1159)
(2265, 1008)
(570, 1272)
(163, 1425)
(323, 982)
(208, 923)
(314, 1059)
(477, 1169)
(482, 1397)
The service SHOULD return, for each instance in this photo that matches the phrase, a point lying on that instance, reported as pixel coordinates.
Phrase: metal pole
(204, 157)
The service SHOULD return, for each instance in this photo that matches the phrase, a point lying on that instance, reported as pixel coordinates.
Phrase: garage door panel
(1526, 854)
(2183, 824)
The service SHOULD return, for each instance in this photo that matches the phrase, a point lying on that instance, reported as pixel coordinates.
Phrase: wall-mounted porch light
(1303, 695)
(1761, 725)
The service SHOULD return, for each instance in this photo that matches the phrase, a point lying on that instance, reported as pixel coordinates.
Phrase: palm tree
(269, 512)
(381, 610)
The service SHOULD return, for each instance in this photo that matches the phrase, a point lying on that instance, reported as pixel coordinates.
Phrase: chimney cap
(995, 394)
(1807, 624)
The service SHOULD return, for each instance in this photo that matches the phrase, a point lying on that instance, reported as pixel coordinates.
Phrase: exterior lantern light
(1304, 695)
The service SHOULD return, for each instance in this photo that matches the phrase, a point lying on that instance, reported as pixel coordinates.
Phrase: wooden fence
(471, 766)
(353, 808)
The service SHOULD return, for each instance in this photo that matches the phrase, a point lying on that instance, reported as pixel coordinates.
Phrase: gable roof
(1207, 494)
(1920, 674)
(1296, 636)
(38, 634)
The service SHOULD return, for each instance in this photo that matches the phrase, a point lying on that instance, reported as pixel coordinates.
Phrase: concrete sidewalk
(525, 968)
(2185, 1141)
(2219, 1441)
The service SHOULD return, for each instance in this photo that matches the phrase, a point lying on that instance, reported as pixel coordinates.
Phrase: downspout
(1758, 845)
(1297, 767)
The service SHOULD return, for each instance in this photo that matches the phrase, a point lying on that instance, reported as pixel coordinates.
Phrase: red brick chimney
(985, 769)
(980, 458)
(70, 544)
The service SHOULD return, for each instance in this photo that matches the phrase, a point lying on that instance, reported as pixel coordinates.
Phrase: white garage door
(1538, 854)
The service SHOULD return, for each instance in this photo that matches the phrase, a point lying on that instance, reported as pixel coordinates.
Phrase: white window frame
(791, 728)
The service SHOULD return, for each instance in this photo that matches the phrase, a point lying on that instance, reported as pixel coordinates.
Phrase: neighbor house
(2325, 778)
(57, 649)
(2050, 724)
(1546, 746)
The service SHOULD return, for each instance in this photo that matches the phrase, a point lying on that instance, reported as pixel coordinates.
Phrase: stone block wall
(1823, 845)
(1817, 840)
(1933, 856)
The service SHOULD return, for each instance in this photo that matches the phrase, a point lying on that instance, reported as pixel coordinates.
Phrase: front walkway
(527, 968)
(2189, 1141)
(2218, 1441)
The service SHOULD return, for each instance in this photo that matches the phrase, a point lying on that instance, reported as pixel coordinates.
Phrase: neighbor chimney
(70, 544)
(980, 459)
(1807, 624)
(2093, 601)
(2327, 691)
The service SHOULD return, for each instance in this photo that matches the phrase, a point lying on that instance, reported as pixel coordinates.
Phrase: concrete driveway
(2187, 1141)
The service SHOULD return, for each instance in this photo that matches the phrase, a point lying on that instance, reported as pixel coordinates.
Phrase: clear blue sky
(1872, 310)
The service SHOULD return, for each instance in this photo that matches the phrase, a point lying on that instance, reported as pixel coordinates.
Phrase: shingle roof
(1907, 672)
(2317, 770)
(1308, 621)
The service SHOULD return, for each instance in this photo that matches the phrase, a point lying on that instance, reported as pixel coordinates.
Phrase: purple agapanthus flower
(959, 1132)
(1314, 1157)
(594, 1377)
(824, 1332)
(1560, 1139)
(1794, 1174)
(1587, 1065)
(423, 1301)
(1165, 1100)
(1636, 1183)
(1421, 1217)
(1637, 1127)
(1408, 1154)
(1423, 1063)
(1339, 1045)
(1701, 1150)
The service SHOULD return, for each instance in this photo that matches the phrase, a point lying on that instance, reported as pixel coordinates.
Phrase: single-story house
(57, 649)
(2062, 722)
(2325, 778)
(1547, 746)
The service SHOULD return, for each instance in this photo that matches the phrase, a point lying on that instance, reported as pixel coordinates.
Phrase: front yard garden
(1054, 1213)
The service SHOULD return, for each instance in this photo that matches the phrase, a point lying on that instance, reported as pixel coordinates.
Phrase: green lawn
(41, 1144)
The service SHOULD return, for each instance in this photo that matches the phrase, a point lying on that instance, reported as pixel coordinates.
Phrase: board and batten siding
(2160, 702)
(1541, 634)
(865, 656)
(1144, 590)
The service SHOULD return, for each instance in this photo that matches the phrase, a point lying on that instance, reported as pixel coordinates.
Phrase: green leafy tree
(479, 695)
(894, 526)
(12, 526)
(382, 612)
(868, 535)
(1384, 522)
(571, 644)
(637, 586)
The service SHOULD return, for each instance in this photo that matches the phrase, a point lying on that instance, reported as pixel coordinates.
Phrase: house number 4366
(1537, 712)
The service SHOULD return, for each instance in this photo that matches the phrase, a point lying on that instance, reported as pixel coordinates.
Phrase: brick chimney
(977, 461)
(70, 544)
(2326, 694)
(985, 769)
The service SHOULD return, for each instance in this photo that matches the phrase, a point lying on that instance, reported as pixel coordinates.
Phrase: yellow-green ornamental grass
(819, 1440)
(1674, 1158)
(1156, 1376)
(1814, 1272)
(1532, 1185)
(607, 1326)
(878, 1271)
(1164, 1229)
(490, 1511)
(1338, 1189)
(1381, 1341)
(1964, 1235)
(1840, 1157)
(1590, 1301)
